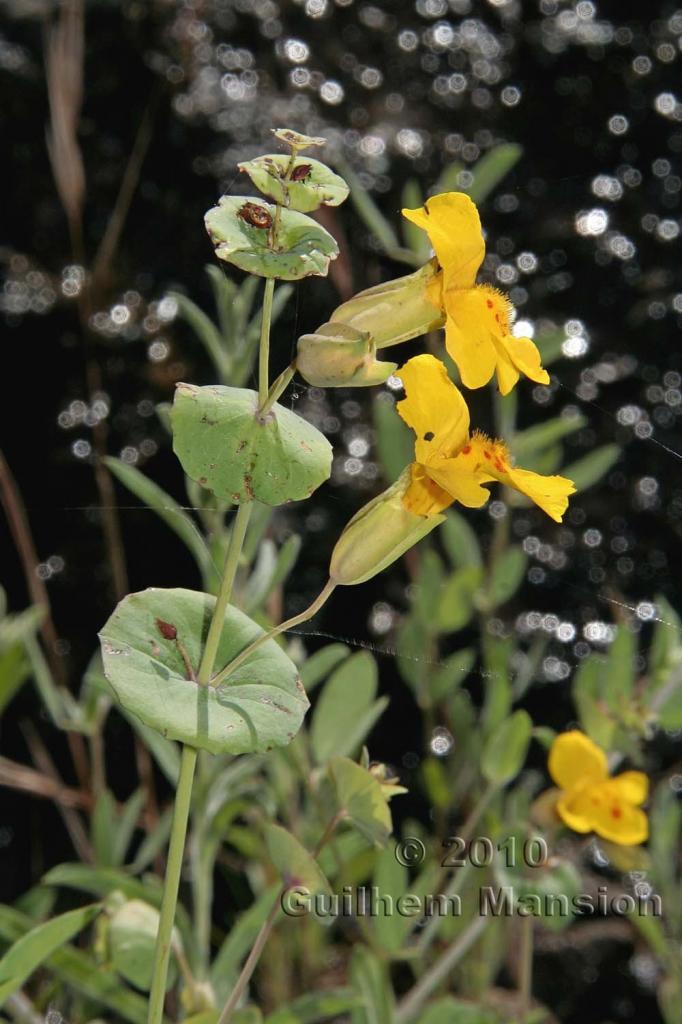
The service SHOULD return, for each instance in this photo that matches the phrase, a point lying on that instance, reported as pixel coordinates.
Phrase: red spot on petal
(489, 303)
(487, 455)
(498, 466)
(616, 812)
(466, 449)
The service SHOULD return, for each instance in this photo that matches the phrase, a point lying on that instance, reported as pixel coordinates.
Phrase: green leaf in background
(457, 1011)
(546, 891)
(457, 599)
(314, 1007)
(167, 508)
(451, 673)
(508, 573)
(390, 880)
(591, 468)
(543, 435)
(296, 866)
(415, 239)
(460, 541)
(80, 972)
(360, 795)
(223, 444)
(311, 184)
(37, 945)
(395, 441)
(238, 942)
(304, 247)
(620, 675)
(505, 752)
(206, 331)
(369, 978)
(318, 666)
(491, 169)
(497, 658)
(260, 705)
(132, 937)
(346, 710)
(590, 701)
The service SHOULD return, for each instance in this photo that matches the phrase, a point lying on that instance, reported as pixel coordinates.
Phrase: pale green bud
(132, 940)
(337, 355)
(378, 534)
(398, 310)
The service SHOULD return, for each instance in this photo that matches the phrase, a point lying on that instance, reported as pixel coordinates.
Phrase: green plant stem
(410, 1007)
(183, 794)
(525, 969)
(264, 350)
(282, 628)
(234, 550)
(176, 849)
(276, 390)
(266, 928)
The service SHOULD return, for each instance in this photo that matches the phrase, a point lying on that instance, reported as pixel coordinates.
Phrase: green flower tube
(378, 534)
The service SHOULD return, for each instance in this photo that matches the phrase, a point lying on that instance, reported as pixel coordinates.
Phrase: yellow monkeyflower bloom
(478, 331)
(591, 800)
(452, 465)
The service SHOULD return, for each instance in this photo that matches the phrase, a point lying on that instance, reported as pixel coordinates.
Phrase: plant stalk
(282, 628)
(525, 969)
(264, 351)
(234, 550)
(171, 884)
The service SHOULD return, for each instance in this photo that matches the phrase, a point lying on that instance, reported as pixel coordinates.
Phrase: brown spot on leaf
(248, 486)
(166, 629)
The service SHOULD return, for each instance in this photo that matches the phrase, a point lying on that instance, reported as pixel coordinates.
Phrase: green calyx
(340, 356)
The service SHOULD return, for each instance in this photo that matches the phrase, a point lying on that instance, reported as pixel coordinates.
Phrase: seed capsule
(256, 216)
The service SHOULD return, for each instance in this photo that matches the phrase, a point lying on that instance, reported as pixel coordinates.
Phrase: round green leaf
(311, 184)
(261, 705)
(225, 447)
(302, 248)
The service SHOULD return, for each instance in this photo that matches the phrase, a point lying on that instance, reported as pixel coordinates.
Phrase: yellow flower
(450, 465)
(590, 800)
(478, 317)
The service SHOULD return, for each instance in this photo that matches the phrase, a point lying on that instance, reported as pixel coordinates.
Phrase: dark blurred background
(584, 234)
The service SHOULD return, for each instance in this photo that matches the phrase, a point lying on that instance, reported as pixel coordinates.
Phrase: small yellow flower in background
(478, 317)
(592, 801)
(450, 465)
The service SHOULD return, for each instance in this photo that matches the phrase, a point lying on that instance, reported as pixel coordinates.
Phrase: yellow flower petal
(632, 787)
(433, 407)
(490, 460)
(454, 228)
(575, 810)
(550, 493)
(423, 496)
(525, 356)
(463, 485)
(574, 760)
(474, 353)
(607, 814)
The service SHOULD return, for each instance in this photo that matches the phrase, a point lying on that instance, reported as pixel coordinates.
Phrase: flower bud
(378, 534)
(398, 310)
(337, 355)
(132, 941)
